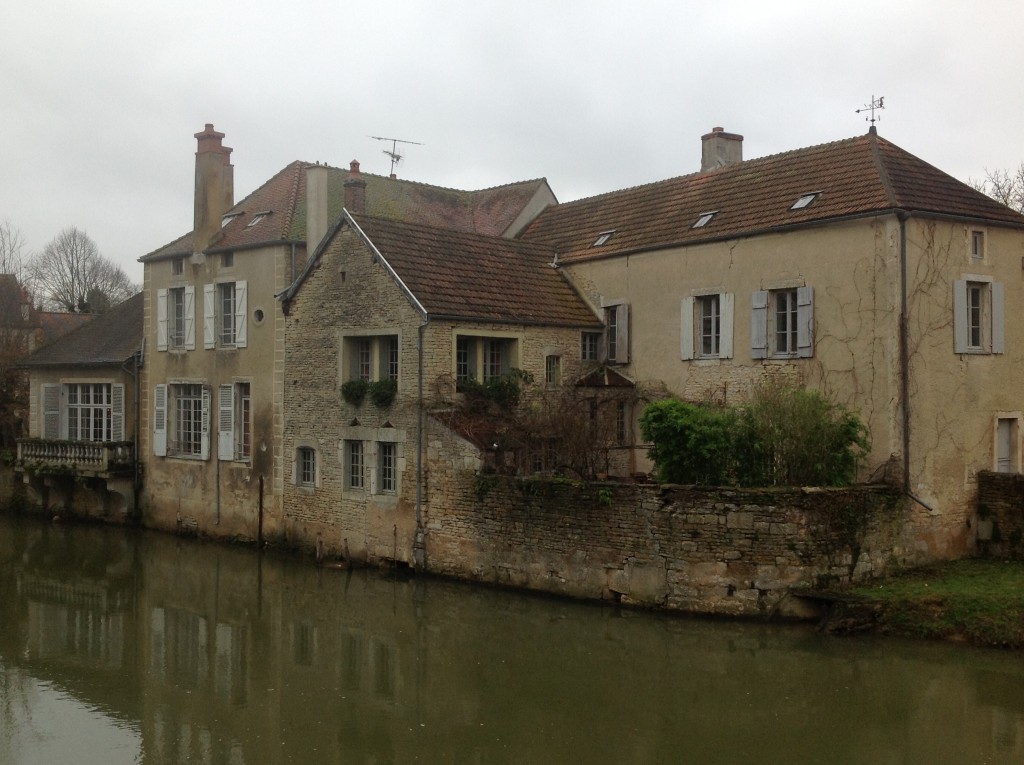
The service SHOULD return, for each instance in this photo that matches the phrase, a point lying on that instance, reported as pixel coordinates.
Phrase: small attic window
(704, 219)
(805, 200)
(603, 238)
(228, 218)
(257, 218)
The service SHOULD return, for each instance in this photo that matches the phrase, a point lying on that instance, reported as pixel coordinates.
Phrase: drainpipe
(903, 216)
(419, 548)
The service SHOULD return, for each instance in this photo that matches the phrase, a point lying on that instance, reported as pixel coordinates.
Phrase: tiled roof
(860, 175)
(469, 276)
(110, 338)
(54, 324)
(489, 211)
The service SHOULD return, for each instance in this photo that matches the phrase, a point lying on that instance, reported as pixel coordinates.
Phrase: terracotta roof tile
(861, 175)
(470, 276)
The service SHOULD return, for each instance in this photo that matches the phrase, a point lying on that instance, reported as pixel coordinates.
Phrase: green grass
(980, 601)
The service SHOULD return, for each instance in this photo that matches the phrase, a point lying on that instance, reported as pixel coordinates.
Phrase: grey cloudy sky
(101, 99)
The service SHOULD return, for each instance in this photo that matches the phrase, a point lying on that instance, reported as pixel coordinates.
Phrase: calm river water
(125, 647)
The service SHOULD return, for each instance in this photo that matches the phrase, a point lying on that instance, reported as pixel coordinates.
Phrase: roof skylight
(228, 218)
(704, 219)
(257, 218)
(603, 238)
(805, 200)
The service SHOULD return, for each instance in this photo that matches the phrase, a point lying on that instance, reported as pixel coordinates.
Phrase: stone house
(853, 267)
(214, 385)
(84, 418)
(419, 314)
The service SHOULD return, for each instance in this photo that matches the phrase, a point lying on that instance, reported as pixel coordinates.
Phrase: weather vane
(876, 104)
(395, 156)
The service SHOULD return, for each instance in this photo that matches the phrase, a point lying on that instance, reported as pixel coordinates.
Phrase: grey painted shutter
(622, 335)
(161, 320)
(726, 307)
(759, 325)
(51, 411)
(160, 421)
(190, 318)
(960, 339)
(209, 316)
(117, 412)
(226, 422)
(805, 322)
(205, 443)
(241, 325)
(686, 328)
(998, 303)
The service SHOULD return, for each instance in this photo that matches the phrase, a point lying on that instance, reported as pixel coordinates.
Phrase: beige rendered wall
(212, 496)
(854, 268)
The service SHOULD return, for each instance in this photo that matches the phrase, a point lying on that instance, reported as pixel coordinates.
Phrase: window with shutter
(978, 315)
(209, 316)
(51, 411)
(226, 422)
(782, 323)
(117, 412)
(160, 420)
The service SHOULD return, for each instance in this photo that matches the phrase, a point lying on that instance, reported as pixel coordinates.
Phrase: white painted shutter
(205, 443)
(160, 421)
(226, 422)
(51, 411)
(622, 334)
(805, 322)
(161, 320)
(960, 338)
(998, 308)
(190, 318)
(759, 325)
(117, 412)
(686, 328)
(726, 308)
(209, 316)
(241, 325)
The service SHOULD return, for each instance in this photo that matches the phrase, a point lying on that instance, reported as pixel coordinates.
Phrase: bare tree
(1006, 186)
(12, 246)
(70, 271)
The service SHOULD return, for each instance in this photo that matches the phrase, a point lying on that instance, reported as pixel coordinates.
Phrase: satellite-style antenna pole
(877, 104)
(395, 156)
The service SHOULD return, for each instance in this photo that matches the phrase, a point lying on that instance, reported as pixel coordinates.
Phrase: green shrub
(502, 392)
(693, 443)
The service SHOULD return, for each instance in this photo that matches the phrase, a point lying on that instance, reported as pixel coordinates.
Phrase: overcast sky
(100, 99)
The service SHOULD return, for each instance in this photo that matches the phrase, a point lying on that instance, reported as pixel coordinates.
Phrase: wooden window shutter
(190, 318)
(241, 312)
(960, 338)
(209, 316)
(622, 335)
(51, 411)
(805, 322)
(205, 434)
(117, 412)
(160, 421)
(726, 308)
(759, 325)
(686, 328)
(998, 309)
(226, 422)
(161, 320)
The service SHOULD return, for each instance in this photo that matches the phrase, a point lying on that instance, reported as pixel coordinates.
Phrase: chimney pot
(353, 167)
(719, 148)
(355, 190)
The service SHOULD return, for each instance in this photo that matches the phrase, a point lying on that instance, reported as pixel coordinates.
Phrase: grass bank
(976, 601)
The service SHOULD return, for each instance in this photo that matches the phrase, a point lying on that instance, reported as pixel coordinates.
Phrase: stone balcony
(90, 458)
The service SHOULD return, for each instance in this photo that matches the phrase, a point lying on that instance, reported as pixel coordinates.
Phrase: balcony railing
(88, 457)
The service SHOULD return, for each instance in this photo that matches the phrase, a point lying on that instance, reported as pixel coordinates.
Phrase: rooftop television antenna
(396, 158)
(877, 104)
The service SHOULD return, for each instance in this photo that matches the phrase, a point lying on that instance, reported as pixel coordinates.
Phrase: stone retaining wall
(1001, 515)
(725, 551)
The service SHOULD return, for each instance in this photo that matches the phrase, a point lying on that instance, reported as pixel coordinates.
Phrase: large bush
(785, 436)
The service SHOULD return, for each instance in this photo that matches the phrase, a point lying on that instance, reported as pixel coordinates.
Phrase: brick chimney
(719, 148)
(215, 186)
(316, 205)
(355, 190)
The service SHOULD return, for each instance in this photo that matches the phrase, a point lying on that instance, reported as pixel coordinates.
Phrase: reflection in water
(118, 646)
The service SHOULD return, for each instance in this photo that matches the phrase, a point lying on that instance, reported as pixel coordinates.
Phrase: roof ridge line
(882, 169)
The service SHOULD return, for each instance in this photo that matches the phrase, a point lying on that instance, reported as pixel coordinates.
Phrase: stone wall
(681, 548)
(1000, 524)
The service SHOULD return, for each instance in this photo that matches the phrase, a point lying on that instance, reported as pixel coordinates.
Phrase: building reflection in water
(219, 655)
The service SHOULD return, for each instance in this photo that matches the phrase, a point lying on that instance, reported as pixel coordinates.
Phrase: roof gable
(858, 176)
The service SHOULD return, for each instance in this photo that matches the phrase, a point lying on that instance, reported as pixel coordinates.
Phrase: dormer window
(603, 238)
(257, 218)
(704, 219)
(805, 200)
(228, 218)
